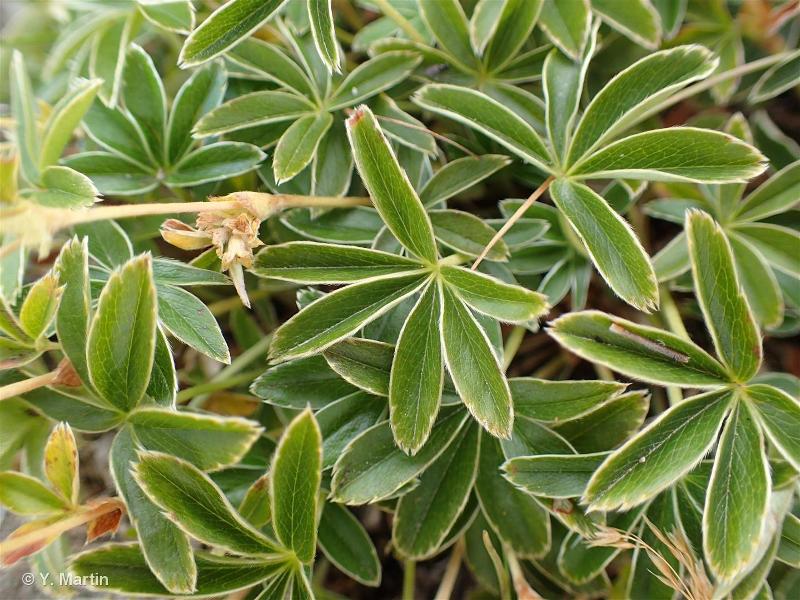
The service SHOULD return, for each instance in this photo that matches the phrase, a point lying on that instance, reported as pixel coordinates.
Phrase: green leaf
(611, 243)
(475, 369)
(214, 162)
(609, 425)
(477, 110)
(320, 16)
(108, 53)
(777, 79)
(516, 517)
(673, 259)
(256, 506)
(388, 186)
(66, 116)
(174, 272)
(332, 167)
(633, 91)
(402, 128)
(145, 98)
(727, 314)
(109, 245)
(208, 442)
(447, 22)
(637, 19)
(492, 297)
(201, 93)
(775, 196)
(637, 351)
(789, 548)
(567, 24)
(417, 373)
(192, 501)
(674, 154)
(23, 107)
(662, 453)
(307, 381)
(514, 26)
(129, 574)
(122, 335)
(190, 320)
(112, 175)
(345, 543)
(62, 187)
(555, 401)
(553, 475)
(340, 314)
(758, 282)
(465, 233)
(563, 84)
(344, 419)
(372, 467)
(459, 175)
(249, 110)
(357, 225)
(373, 77)
(483, 23)
(225, 27)
(72, 318)
(269, 61)
(738, 494)
(118, 133)
(173, 15)
(25, 495)
(425, 515)
(297, 146)
(295, 479)
(312, 262)
(363, 363)
(40, 306)
(163, 383)
(775, 243)
(165, 548)
(779, 415)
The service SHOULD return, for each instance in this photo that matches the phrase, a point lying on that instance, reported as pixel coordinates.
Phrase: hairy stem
(409, 579)
(28, 385)
(513, 219)
(445, 591)
(403, 23)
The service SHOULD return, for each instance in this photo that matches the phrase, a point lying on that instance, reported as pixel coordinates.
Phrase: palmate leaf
(65, 117)
(297, 146)
(145, 98)
(447, 22)
(727, 314)
(664, 451)
(459, 175)
(72, 318)
(737, 498)
(213, 162)
(555, 401)
(372, 77)
(775, 196)
(229, 24)
(779, 415)
(466, 234)
(567, 25)
(23, 106)
(389, 187)
(554, 475)
(270, 62)
(62, 187)
(249, 110)
(514, 23)
(637, 20)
